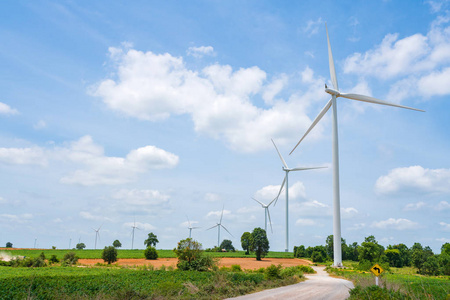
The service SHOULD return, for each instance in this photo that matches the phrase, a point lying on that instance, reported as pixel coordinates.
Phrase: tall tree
(152, 240)
(259, 243)
(370, 250)
(227, 245)
(117, 244)
(245, 242)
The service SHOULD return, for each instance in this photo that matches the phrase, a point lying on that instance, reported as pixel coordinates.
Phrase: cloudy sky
(157, 111)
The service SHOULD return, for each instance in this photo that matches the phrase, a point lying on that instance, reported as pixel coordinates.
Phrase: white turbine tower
(266, 212)
(218, 225)
(335, 93)
(286, 180)
(132, 234)
(190, 227)
(97, 234)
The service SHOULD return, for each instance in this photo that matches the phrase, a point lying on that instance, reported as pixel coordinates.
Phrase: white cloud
(139, 225)
(414, 179)
(211, 197)
(312, 27)
(348, 212)
(5, 109)
(414, 206)
(445, 226)
(357, 226)
(312, 208)
(200, 51)
(443, 205)
(89, 216)
(17, 219)
(218, 213)
(23, 156)
(435, 83)
(153, 87)
(40, 125)
(443, 240)
(305, 222)
(141, 197)
(396, 224)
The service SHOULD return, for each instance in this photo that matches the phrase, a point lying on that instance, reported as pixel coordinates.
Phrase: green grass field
(126, 253)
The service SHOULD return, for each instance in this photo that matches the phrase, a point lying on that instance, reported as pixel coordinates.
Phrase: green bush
(374, 292)
(236, 268)
(191, 257)
(53, 259)
(318, 257)
(69, 259)
(150, 253)
(109, 254)
(273, 272)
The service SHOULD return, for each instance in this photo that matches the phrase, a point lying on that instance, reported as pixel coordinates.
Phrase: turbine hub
(332, 92)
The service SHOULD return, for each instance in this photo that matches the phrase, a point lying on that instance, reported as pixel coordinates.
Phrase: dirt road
(318, 286)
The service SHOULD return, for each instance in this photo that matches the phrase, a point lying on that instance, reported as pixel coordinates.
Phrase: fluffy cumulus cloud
(200, 51)
(305, 222)
(15, 219)
(414, 206)
(153, 87)
(95, 167)
(414, 179)
(419, 64)
(396, 224)
(139, 225)
(5, 109)
(445, 226)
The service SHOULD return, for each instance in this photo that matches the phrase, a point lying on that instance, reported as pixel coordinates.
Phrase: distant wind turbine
(97, 234)
(266, 212)
(218, 225)
(132, 239)
(190, 227)
(286, 180)
(335, 93)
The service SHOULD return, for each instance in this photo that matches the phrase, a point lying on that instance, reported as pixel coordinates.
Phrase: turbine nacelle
(332, 91)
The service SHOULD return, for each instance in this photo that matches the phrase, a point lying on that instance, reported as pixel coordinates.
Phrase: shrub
(9, 245)
(80, 246)
(38, 262)
(273, 272)
(70, 258)
(190, 256)
(150, 253)
(53, 259)
(236, 268)
(109, 254)
(318, 257)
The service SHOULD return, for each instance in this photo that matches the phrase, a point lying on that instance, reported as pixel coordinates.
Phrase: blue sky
(113, 113)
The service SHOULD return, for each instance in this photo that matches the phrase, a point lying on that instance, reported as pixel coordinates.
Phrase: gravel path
(317, 286)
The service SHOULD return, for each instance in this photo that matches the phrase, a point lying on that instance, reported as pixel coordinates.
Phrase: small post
(376, 281)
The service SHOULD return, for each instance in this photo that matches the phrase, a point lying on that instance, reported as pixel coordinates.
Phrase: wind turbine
(286, 180)
(132, 239)
(335, 93)
(218, 225)
(266, 212)
(190, 227)
(97, 234)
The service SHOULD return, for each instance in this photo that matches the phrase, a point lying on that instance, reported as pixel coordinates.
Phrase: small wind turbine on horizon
(190, 227)
(286, 180)
(97, 234)
(266, 212)
(218, 225)
(335, 93)
(132, 234)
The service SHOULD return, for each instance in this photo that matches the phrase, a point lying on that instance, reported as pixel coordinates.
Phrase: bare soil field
(245, 263)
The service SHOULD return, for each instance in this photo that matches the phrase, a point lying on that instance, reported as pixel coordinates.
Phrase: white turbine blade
(281, 188)
(302, 169)
(331, 63)
(374, 100)
(270, 221)
(213, 226)
(316, 120)
(189, 222)
(279, 154)
(272, 201)
(262, 204)
(221, 216)
(226, 230)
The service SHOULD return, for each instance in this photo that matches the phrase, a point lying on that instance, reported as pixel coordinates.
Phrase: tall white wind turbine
(286, 169)
(335, 93)
(132, 234)
(266, 212)
(190, 227)
(218, 225)
(97, 234)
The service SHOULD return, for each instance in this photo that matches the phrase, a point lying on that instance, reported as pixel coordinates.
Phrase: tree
(352, 251)
(445, 249)
(9, 245)
(259, 243)
(109, 254)
(245, 242)
(419, 256)
(300, 251)
(330, 244)
(117, 244)
(394, 258)
(319, 254)
(370, 250)
(70, 258)
(190, 256)
(152, 240)
(227, 245)
(150, 253)
(405, 254)
(80, 246)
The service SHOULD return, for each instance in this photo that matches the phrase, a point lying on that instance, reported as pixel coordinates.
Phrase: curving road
(318, 286)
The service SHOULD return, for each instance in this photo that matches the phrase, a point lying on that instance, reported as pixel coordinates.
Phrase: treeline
(370, 252)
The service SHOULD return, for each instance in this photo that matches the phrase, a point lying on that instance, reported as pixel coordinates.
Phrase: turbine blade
(213, 227)
(316, 120)
(226, 230)
(279, 154)
(311, 168)
(259, 202)
(270, 221)
(374, 100)
(281, 188)
(221, 216)
(331, 63)
(273, 200)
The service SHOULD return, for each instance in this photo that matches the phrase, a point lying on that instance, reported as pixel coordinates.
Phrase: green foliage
(191, 257)
(9, 245)
(394, 258)
(53, 259)
(273, 272)
(245, 242)
(259, 243)
(80, 246)
(152, 240)
(150, 253)
(370, 250)
(376, 293)
(420, 256)
(69, 259)
(299, 251)
(109, 254)
(227, 245)
(445, 249)
(431, 266)
(117, 244)
(42, 256)
(236, 268)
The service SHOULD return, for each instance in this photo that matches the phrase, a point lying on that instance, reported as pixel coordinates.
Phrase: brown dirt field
(245, 263)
